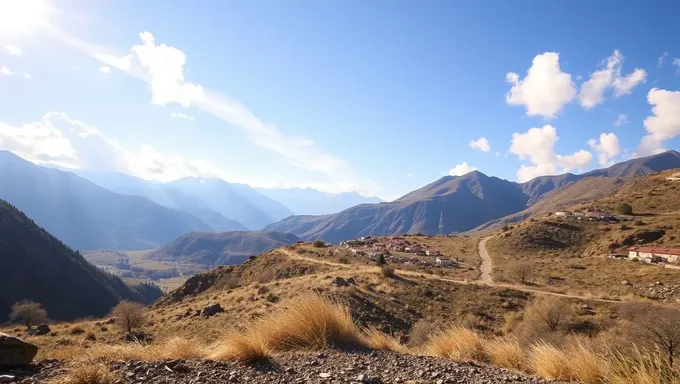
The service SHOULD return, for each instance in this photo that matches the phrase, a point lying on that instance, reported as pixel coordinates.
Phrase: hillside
(224, 248)
(38, 267)
(573, 254)
(466, 202)
(86, 216)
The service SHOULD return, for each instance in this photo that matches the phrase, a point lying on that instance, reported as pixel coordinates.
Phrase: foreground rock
(14, 351)
(212, 310)
(328, 367)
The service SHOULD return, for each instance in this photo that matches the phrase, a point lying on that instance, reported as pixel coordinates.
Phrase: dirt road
(487, 264)
(422, 275)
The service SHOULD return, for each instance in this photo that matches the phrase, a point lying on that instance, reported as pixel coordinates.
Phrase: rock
(324, 375)
(625, 282)
(212, 310)
(351, 281)
(14, 351)
(363, 378)
(339, 282)
(263, 290)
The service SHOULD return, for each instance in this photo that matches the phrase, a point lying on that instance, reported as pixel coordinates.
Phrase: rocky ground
(327, 367)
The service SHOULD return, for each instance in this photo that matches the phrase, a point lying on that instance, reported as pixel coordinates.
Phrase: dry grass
(249, 345)
(506, 353)
(88, 374)
(642, 368)
(577, 362)
(376, 339)
(457, 343)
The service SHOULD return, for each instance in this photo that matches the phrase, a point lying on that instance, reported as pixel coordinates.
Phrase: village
(588, 214)
(654, 255)
(398, 250)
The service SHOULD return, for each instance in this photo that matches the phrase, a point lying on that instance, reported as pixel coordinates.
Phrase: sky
(379, 97)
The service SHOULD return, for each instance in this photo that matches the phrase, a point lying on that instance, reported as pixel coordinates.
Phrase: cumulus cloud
(162, 68)
(538, 146)
(606, 148)
(105, 69)
(545, 90)
(180, 115)
(621, 119)
(461, 169)
(14, 50)
(482, 144)
(663, 124)
(592, 91)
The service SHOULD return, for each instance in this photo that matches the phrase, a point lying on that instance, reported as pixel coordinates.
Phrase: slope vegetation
(38, 267)
(224, 248)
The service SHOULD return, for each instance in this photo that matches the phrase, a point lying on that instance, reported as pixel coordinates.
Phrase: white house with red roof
(654, 254)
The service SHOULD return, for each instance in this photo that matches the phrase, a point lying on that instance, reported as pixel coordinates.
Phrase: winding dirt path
(426, 276)
(487, 263)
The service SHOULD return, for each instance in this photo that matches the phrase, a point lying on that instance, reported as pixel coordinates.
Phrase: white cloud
(180, 115)
(676, 62)
(482, 144)
(662, 59)
(14, 50)
(105, 69)
(607, 148)
(592, 91)
(621, 119)
(545, 90)
(162, 66)
(8, 72)
(663, 124)
(538, 146)
(461, 169)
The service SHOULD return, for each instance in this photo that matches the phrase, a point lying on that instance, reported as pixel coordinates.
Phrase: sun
(22, 16)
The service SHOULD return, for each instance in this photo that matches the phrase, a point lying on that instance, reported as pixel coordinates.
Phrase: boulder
(212, 309)
(42, 329)
(14, 351)
(339, 282)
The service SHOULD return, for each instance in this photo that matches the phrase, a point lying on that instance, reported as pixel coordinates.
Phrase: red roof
(658, 251)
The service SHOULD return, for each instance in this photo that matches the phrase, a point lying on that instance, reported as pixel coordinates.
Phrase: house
(563, 213)
(443, 261)
(579, 214)
(654, 255)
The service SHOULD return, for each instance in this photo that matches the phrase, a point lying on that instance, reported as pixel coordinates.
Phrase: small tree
(625, 209)
(129, 315)
(657, 326)
(381, 260)
(522, 272)
(319, 243)
(28, 312)
(550, 311)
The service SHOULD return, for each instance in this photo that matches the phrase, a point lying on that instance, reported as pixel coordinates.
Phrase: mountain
(466, 202)
(224, 248)
(224, 206)
(38, 267)
(308, 201)
(86, 216)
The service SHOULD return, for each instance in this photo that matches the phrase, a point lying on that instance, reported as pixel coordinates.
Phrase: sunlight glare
(21, 16)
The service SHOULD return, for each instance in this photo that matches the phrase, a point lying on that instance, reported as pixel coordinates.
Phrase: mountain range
(38, 267)
(308, 201)
(226, 248)
(463, 203)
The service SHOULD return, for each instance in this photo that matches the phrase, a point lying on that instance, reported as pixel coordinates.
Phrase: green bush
(625, 209)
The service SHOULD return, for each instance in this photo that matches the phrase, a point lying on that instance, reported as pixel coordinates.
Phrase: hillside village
(398, 250)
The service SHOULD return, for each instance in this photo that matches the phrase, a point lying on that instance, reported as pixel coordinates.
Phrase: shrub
(343, 260)
(575, 363)
(625, 209)
(549, 312)
(129, 315)
(379, 340)
(381, 260)
(421, 332)
(90, 336)
(505, 353)
(458, 344)
(521, 272)
(77, 330)
(89, 374)
(387, 271)
(272, 298)
(28, 312)
(319, 244)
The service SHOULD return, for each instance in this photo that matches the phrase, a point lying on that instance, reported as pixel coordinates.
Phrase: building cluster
(654, 254)
(588, 214)
(398, 250)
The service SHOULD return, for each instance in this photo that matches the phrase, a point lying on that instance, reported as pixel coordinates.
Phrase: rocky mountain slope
(466, 202)
(86, 216)
(308, 201)
(221, 248)
(38, 267)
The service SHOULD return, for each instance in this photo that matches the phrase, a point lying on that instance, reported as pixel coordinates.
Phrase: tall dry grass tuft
(376, 339)
(506, 353)
(577, 362)
(310, 322)
(88, 374)
(457, 343)
(249, 345)
(641, 368)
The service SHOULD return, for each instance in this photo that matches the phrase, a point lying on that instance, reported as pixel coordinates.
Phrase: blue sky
(378, 96)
